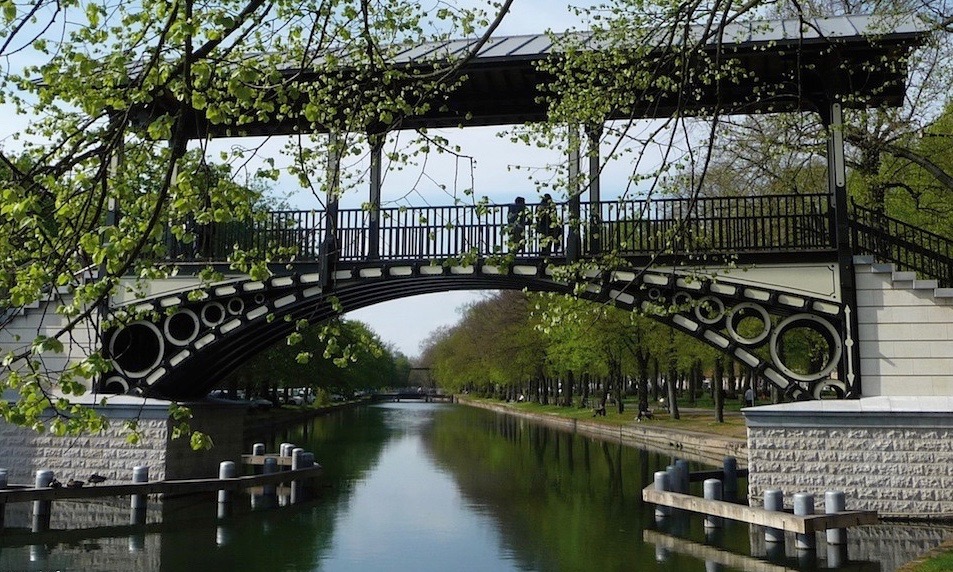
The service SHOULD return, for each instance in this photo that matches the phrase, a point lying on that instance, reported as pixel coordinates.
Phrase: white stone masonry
(905, 332)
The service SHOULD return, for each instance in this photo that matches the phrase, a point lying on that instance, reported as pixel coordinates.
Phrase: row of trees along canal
(563, 351)
(340, 357)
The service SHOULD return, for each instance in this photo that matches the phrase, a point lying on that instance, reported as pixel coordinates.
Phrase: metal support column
(329, 252)
(849, 369)
(374, 200)
(594, 134)
(574, 245)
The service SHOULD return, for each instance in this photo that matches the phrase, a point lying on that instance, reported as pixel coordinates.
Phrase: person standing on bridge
(516, 224)
(548, 227)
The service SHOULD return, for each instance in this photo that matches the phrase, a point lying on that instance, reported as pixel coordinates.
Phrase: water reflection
(439, 487)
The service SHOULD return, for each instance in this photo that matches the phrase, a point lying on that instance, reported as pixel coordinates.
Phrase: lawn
(698, 419)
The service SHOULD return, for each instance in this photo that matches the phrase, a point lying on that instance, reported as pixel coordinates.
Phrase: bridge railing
(279, 235)
(638, 228)
(909, 247)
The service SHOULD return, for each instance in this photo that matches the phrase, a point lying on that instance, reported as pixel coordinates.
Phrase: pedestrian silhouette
(516, 224)
(548, 226)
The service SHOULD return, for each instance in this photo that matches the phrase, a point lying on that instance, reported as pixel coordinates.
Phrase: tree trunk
(718, 392)
(567, 382)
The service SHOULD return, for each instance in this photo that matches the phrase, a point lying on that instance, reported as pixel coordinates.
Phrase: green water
(425, 487)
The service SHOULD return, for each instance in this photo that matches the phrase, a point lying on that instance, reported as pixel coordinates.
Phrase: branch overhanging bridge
(702, 265)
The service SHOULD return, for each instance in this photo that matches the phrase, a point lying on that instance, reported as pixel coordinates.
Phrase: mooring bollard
(4, 483)
(730, 470)
(773, 501)
(662, 485)
(836, 555)
(713, 491)
(270, 467)
(140, 474)
(284, 450)
(41, 508)
(804, 506)
(267, 497)
(138, 502)
(673, 479)
(297, 462)
(835, 502)
(681, 466)
(226, 470)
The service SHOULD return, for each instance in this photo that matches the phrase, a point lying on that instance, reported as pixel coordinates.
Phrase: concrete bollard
(835, 502)
(773, 501)
(284, 450)
(681, 466)
(140, 474)
(258, 449)
(730, 470)
(42, 508)
(226, 470)
(673, 478)
(4, 483)
(297, 485)
(713, 491)
(270, 467)
(267, 497)
(297, 454)
(662, 485)
(804, 506)
(836, 555)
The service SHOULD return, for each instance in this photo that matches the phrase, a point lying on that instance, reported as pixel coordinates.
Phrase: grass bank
(697, 420)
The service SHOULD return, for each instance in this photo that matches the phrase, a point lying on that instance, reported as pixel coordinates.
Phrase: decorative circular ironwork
(136, 349)
(236, 306)
(259, 299)
(838, 386)
(819, 325)
(181, 328)
(682, 300)
(748, 310)
(115, 384)
(654, 294)
(709, 310)
(213, 314)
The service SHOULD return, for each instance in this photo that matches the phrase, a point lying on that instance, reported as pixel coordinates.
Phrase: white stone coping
(880, 411)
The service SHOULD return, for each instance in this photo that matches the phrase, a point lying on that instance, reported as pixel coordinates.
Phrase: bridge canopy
(802, 63)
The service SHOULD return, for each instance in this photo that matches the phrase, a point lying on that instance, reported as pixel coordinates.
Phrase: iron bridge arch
(184, 347)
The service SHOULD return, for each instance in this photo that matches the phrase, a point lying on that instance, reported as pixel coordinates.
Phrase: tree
(102, 168)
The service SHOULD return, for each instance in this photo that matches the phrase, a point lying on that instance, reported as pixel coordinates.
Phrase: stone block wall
(905, 332)
(23, 451)
(893, 455)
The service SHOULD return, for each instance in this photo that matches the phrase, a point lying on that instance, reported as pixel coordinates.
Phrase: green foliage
(100, 181)
(341, 356)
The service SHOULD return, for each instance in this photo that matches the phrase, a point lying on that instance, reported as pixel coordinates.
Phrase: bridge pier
(107, 453)
(889, 454)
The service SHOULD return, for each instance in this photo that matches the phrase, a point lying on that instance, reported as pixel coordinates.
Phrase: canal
(434, 487)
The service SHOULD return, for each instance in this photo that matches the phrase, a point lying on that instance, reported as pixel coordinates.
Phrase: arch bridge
(710, 263)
